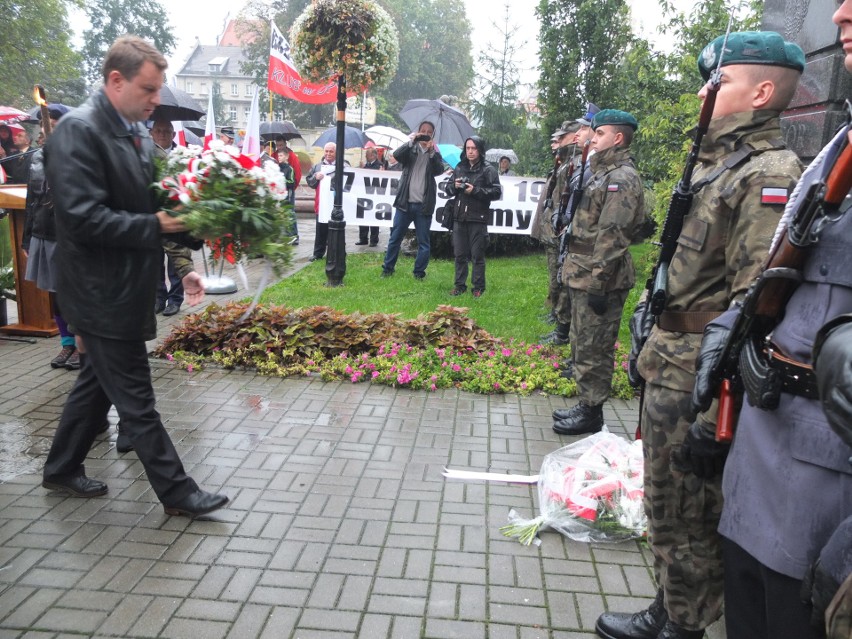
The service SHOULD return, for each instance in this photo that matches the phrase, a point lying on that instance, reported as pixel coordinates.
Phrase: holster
(762, 384)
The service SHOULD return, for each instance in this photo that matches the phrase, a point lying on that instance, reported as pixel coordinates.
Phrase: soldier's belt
(580, 247)
(686, 321)
(766, 373)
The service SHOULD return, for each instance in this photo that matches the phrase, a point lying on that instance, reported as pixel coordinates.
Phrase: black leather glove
(597, 303)
(641, 323)
(706, 384)
(833, 366)
(701, 453)
(818, 588)
(554, 222)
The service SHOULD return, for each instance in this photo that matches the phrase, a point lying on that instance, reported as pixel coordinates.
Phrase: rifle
(576, 196)
(565, 196)
(548, 199)
(766, 299)
(682, 195)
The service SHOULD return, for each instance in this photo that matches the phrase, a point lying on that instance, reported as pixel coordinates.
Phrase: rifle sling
(733, 160)
(686, 321)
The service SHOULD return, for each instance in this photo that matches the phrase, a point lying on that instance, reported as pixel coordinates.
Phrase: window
(232, 112)
(246, 113)
(203, 88)
(235, 89)
(249, 90)
(188, 88)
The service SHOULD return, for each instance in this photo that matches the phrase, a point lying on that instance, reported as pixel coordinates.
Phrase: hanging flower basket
(354, 37)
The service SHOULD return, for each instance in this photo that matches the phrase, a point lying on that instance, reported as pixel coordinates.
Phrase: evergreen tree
(495, 107)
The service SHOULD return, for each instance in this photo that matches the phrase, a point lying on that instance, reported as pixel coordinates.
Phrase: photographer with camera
(415, 198)
(475, 184)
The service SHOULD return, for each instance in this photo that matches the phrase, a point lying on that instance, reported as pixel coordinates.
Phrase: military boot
(581, 419)
(672, 631)
(639, 625)
(559, 335)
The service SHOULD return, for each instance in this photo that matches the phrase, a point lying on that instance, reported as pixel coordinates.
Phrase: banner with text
(368, 197)
(284, 79)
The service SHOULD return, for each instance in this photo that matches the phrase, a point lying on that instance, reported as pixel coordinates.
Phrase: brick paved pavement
(340, 523)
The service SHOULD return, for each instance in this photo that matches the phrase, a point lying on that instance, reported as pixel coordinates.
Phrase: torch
(40, 96)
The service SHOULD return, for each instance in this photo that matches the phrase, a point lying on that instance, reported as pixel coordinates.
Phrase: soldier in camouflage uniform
(741, 182)
(598, 269)
(542, 229)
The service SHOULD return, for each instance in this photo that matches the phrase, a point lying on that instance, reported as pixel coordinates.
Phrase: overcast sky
(189, 20)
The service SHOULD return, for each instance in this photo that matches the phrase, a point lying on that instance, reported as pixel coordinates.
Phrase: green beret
(752, 47)
(615, 117)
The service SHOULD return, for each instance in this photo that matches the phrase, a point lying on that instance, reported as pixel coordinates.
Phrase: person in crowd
(169, 299)
(505, 165)
(316, 175)
(18, 167)
(542, 230)
(371, 233)
(290, 166)
(227, 135)
(742, 180)
(109, 250)
(415, 199)
(787, 483)
(598, 269)
(39, 245)
(474, 184)
(392, 164)
(7, 141)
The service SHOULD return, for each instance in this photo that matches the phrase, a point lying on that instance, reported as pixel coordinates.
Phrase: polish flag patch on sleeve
(773, 195)
(612, 187)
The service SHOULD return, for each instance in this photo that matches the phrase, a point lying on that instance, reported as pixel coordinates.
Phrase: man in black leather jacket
(109, 249)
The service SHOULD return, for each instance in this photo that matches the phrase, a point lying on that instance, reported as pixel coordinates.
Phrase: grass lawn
(512, 305)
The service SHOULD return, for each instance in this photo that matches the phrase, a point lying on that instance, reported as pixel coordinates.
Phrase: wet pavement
(340, 523)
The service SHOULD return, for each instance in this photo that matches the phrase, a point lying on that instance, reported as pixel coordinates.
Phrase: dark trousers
(372, 231)
(759, 602)
(401, 221)
(321, 239)
(174, 293)
(117, 372)
(470, 239)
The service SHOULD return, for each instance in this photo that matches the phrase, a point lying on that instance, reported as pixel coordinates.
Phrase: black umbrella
(352, 138)
(273, 130)
(176, 105)
(194, 128)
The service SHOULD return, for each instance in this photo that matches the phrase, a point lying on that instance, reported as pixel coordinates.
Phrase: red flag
(285, 80)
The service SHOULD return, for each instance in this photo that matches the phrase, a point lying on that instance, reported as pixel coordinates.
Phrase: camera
(462, 183)
(422, 137)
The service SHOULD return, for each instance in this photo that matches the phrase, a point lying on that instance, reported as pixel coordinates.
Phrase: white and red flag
(251, 143)
(210, 129)
(285, 80)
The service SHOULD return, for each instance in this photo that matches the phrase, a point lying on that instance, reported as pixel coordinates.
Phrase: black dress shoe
(80, 486)
(374, 243)
(122, 442)
(197, 503)
(159, 307)
(640, 625)
(361, 243)
(580, 420)
(171, 309)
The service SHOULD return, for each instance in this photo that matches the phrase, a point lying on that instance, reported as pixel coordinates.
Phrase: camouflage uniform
(838, 617)
(561, 300)
(598, 262)
(725, 238)
(542, 231)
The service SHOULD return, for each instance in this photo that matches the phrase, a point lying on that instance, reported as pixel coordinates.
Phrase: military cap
(229, 131)
(592, 110)
(614, 117)
(751, 47)
(563, 129)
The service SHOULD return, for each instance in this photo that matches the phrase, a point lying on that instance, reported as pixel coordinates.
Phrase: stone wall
(818, 107)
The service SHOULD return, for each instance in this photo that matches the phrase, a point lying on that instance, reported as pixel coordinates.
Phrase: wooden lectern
(35, 316)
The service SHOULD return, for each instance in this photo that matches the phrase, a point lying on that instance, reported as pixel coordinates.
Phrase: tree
(580, 45)
(113, 18)
(495, 106)
(434, 54)
(36, 49)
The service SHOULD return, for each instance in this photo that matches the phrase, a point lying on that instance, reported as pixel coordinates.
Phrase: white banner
(368, 197)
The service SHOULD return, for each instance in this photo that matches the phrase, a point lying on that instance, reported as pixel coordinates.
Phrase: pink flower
(189, 368)
(506, 352)
(433, 388)
(530, 351)
(456, 368)
(169, 357)
(348, 370)
(523, 385)
(375, 374)
(496, 386)
(434, 378)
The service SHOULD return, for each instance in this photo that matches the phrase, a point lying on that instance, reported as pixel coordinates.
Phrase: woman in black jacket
(475, 185)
